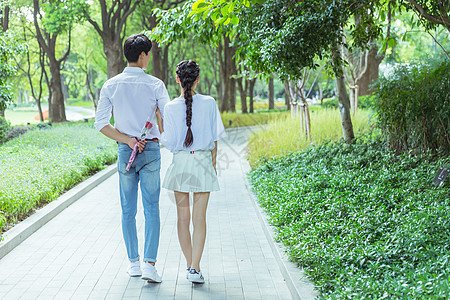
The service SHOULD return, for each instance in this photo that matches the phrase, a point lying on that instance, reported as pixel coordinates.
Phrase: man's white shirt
(131, 97)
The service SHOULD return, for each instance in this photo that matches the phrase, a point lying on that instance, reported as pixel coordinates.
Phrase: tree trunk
(233, 94)
(344, 108)
(4, 20)
(228, 69)
(243, 88)
(271, 94)
(58, 113)
(48, 43)
(156, 60)
(114, 56)
(287, 99)
(352, 98)
(320, 93)
(165, 65)
(371, 75)
(114, 19)
(343, 98)
(251, 88)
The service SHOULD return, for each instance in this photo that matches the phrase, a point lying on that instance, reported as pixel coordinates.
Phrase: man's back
(133, 95)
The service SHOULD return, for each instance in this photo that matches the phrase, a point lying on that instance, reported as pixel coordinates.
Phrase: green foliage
(222, 11)
(40, 165)
(60, 15)
(330, 103)
(176, 24)
(363, 222)
(9, 46)
(5, 127)
(284, 135)
(366, 102)
(413, 106)
(286, 36)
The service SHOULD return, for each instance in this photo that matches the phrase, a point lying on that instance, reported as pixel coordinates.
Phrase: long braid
(187, 72)
(188, 100)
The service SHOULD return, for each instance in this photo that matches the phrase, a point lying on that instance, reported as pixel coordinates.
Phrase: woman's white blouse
(206, 126)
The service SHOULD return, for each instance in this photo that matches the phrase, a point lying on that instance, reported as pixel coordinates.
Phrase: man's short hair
(134, 45)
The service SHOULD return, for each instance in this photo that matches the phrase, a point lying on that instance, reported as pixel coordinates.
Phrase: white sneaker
(195, 276)
(150, 274)
(134, 269)
(187, 272)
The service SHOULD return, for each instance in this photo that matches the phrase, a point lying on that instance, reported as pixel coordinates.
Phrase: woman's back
(206, 124)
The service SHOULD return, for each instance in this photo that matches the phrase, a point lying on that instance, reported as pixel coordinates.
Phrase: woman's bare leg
(183, 220)
(199, 222)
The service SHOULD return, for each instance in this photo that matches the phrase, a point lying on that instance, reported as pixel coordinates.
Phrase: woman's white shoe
(195, 276)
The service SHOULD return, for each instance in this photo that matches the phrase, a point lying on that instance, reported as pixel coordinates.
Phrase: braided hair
(188, 72)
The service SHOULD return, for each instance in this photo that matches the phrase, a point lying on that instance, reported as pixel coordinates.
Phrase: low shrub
(40, 165)
(16, 131)
(413, 106)
(366, 102)
(283, 136)
(363, 222)
(330, 103)
(5, 127)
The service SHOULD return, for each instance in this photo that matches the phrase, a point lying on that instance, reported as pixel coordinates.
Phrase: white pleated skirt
(191, 172)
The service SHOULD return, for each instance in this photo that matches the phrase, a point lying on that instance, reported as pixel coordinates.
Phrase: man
(134, 96)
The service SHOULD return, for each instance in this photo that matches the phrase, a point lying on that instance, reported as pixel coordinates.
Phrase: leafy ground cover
(363, 222)
(284, 135)
(41, 164)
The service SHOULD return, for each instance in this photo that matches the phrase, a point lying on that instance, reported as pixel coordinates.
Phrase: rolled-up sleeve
(104, 110)
(169, 136)
(162, 97)
(220, 130)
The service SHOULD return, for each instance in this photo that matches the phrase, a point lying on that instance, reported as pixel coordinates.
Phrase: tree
(297, 91)
(113, 20)
(160, 55)
(176, 24)
(285, 36)
(26, 68)
(9, 46)
(52, 19)
(431, 14)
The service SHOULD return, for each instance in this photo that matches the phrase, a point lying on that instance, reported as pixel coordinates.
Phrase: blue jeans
(145, 169)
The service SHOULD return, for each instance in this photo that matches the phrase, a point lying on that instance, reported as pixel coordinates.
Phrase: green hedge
(41, 164)
(363, 222)
(5, 127)
(413, 107)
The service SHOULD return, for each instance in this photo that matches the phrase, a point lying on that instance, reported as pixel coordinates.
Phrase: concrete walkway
(80, 254)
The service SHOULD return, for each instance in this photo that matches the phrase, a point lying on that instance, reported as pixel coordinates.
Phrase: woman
(192, 126)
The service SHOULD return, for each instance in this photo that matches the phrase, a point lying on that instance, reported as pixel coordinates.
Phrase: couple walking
(189, 126)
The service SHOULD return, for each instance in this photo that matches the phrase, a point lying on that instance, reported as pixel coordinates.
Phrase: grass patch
(21, 117)
(362, 222)
(260, 118)
(284, 135)
(41, 164)
(80, 103)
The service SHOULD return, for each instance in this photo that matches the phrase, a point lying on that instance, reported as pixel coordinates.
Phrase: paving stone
(80, 253)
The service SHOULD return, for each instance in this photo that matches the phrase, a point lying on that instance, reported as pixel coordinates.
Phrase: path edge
(24, 229)
(299, 285)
